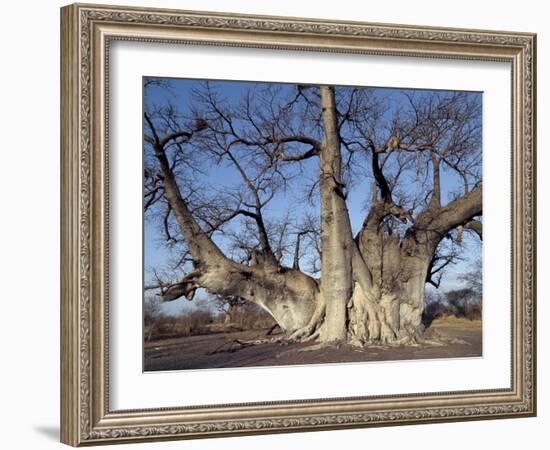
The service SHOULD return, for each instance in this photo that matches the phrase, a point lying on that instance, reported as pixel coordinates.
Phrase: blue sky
(220, 177)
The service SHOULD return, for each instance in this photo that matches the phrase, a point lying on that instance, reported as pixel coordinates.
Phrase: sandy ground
(462, 337)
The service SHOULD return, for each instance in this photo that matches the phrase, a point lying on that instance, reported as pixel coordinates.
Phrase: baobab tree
(413, 158)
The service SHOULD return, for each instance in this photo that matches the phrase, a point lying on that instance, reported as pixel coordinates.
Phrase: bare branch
(475, 226)
(436, 195)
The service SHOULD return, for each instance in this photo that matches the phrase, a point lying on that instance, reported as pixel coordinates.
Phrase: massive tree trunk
(288, 295)
(336, 235)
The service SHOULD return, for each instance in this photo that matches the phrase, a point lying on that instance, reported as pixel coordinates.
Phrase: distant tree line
(229, 314)
(465, 303)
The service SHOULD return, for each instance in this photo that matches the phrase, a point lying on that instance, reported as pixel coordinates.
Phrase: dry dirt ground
(460, 337)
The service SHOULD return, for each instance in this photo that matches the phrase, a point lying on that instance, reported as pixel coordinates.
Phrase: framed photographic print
(275, 224)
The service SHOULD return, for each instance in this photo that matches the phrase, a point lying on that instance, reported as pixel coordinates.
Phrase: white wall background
(29, 225)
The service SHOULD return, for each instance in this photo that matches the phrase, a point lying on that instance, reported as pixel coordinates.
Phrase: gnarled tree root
(312, 329)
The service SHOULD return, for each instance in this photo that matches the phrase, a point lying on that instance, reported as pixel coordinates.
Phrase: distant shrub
(158, 325)
(250, 317)
(465, 303)
(186, 324)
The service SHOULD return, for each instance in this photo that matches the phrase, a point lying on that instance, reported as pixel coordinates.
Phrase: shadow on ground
(51, 432)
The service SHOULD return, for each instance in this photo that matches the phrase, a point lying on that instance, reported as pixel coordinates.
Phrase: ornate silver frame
(86, 32)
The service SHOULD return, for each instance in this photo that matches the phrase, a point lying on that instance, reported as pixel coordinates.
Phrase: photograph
(291, 224)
